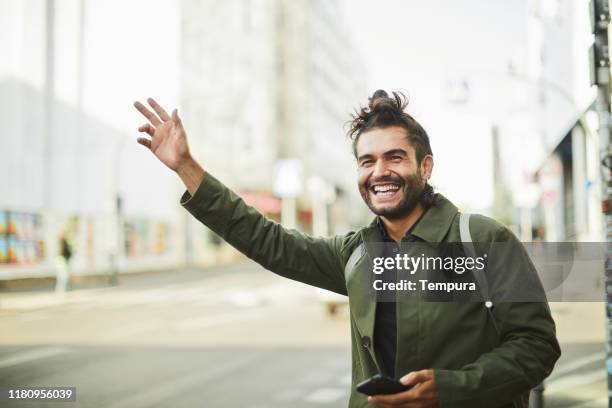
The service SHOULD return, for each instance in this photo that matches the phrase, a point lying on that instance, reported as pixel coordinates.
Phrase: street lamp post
(117, 211)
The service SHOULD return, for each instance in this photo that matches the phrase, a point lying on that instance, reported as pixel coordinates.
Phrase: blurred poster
(161, 239)
(13, 249)
(11, 227)
(20, 237)
(3, 249)
(3, 222)
(145, 238)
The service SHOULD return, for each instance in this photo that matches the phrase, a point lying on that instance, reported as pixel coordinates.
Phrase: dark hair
(384, 111)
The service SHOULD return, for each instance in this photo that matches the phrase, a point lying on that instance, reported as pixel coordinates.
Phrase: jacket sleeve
(528, 348)
(287, 252)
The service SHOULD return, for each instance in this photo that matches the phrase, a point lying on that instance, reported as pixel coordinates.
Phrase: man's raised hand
(168, 138)
(169, 143)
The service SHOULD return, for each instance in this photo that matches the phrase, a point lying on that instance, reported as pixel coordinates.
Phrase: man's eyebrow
(395, 151)
(386, 154)
(365, 156)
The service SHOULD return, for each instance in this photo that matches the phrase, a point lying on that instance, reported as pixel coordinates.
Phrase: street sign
(288, 176)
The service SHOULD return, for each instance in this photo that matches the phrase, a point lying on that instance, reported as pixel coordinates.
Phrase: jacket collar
(432, 228)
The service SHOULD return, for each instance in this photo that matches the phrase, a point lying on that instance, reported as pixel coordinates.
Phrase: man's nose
(380, 169)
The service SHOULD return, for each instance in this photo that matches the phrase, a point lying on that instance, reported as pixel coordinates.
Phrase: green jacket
(473, 365)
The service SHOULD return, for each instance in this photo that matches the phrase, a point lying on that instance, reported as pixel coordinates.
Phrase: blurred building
(267, 80)
(566, 176)
(61, 175)
(61, 165)
(261, 81)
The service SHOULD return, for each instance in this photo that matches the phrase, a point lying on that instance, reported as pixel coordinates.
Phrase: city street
(230, 337)
(244, 338)
(169, 139)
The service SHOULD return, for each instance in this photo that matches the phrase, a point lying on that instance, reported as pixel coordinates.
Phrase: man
(449, 352)
(62, 282)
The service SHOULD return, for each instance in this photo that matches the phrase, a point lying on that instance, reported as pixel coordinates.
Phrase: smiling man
(452, 354)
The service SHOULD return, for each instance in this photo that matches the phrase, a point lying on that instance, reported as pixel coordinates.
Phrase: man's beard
(413, 190)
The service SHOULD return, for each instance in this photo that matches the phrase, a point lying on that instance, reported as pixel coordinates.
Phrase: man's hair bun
(379, 94)
(380, 102)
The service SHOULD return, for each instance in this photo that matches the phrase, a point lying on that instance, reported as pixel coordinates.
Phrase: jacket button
(365, 341)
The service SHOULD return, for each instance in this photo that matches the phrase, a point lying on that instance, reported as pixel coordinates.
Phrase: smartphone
(381, 384)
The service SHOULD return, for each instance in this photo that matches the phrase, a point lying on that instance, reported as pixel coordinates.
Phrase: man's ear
(427, 167)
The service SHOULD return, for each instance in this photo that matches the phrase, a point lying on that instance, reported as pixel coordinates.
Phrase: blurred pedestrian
(62, 282)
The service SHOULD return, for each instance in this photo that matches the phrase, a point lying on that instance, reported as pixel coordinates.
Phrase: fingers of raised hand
(175, 117)
(144, 141)
(159, 110)
(147, 114)
(148, 129)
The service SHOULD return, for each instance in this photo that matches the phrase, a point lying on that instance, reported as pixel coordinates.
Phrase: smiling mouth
(385, 190)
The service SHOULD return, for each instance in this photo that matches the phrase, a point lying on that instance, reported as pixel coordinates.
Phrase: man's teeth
(386, 189)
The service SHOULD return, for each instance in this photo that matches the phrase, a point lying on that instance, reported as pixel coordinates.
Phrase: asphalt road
(230, 337)
(153, 376)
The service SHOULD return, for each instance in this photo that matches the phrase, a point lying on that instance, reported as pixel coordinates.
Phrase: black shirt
(385, 326)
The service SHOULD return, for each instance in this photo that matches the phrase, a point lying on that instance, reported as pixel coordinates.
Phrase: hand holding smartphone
(381, 385)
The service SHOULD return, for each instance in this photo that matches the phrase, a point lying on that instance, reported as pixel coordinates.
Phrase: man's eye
(396, 158)
(366, 163)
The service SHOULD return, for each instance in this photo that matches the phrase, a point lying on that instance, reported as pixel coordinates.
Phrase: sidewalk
(580, 322)
(22, 301)
(39, 293)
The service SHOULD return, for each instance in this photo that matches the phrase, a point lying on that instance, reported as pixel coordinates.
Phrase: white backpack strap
(479, 274)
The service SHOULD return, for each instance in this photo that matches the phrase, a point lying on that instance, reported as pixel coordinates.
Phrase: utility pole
(600, 76)
(47, 150)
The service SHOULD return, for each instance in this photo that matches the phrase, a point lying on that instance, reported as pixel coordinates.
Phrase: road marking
(31, 355)
(576, 380)
(579, 362)
(157, 393)
(325, 395)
